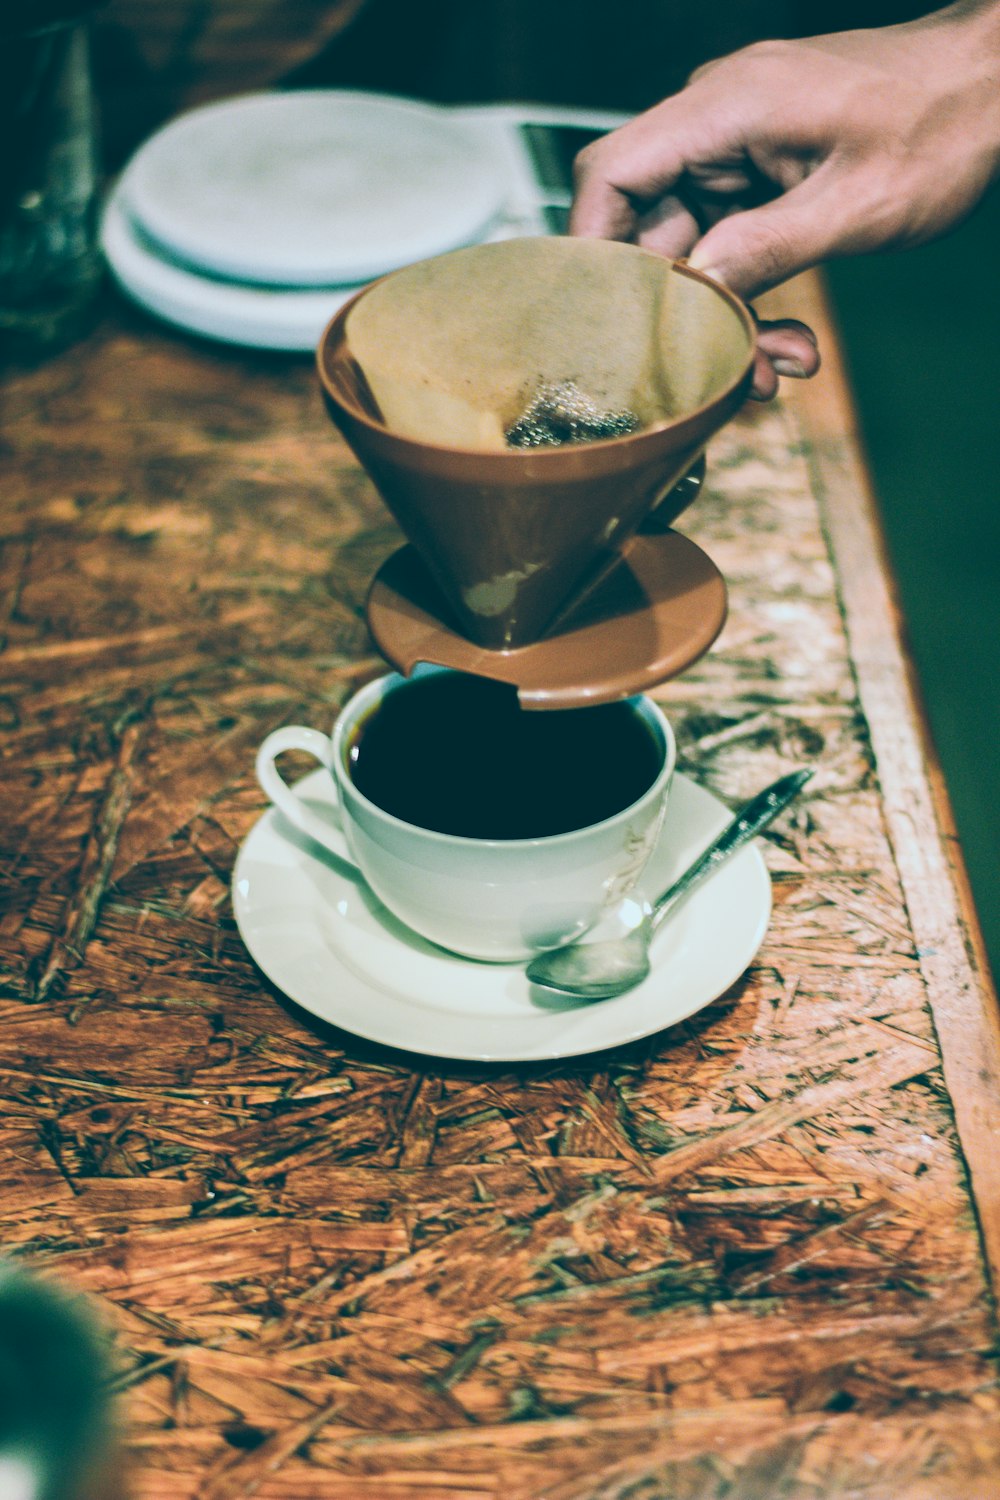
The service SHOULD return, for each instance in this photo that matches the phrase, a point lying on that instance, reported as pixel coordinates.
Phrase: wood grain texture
(740, 1259)
(931, 869)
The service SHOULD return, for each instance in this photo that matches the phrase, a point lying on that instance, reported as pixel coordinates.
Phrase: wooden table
(749, 1257)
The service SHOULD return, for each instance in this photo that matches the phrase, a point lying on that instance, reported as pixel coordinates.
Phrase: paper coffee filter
(453, 349)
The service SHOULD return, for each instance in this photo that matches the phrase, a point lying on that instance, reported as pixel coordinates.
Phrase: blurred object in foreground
(56, 1436)
(50, 264)
(153, 60)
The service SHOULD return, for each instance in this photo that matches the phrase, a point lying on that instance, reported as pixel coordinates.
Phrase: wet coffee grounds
(561, 413)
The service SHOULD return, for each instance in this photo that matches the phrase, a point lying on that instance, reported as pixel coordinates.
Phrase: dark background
(920, 328)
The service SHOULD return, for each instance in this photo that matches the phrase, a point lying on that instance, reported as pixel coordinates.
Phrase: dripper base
(649, 619)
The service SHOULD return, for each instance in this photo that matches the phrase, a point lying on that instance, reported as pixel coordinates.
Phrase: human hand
(789, 153)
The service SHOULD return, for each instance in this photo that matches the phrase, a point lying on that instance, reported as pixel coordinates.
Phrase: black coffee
(459, 755)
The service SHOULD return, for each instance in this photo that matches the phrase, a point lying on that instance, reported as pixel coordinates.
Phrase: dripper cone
(426, 370)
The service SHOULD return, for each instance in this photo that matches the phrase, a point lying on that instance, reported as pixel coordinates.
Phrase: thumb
(755, 250)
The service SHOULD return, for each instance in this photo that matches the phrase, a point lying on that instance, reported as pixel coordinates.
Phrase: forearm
(974, 26)
(955, 50)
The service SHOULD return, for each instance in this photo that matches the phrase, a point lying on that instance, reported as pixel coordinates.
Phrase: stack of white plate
(253, 220)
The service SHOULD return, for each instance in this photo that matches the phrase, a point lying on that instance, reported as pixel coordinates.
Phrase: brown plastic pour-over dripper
(427, 369)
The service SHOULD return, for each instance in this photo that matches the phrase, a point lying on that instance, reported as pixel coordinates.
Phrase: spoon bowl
(614, 955)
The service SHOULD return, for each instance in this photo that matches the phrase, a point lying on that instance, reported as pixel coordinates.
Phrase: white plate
(253, 317)
(258, 316)
(327, 943)
(311, 188)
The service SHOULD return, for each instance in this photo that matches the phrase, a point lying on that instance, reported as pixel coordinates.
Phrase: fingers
(758, 249)
(703, 134)
(602, 211)
(750, 249)
(621, 176)
(784, 347)
(671, 229)
(764, 386)
(791, 345)
(761, 184)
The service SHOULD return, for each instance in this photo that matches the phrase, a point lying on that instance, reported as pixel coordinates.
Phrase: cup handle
(298, 737)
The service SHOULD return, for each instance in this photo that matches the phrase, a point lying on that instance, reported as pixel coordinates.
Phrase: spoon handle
(748, 822)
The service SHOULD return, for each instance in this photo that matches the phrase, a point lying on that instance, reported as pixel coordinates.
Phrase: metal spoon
(614, 955)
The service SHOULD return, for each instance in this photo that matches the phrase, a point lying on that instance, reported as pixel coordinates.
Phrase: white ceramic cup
(494, 899)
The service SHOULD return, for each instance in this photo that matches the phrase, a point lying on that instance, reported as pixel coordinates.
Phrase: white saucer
(311, 188)
(323, 939)
(257, 317)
